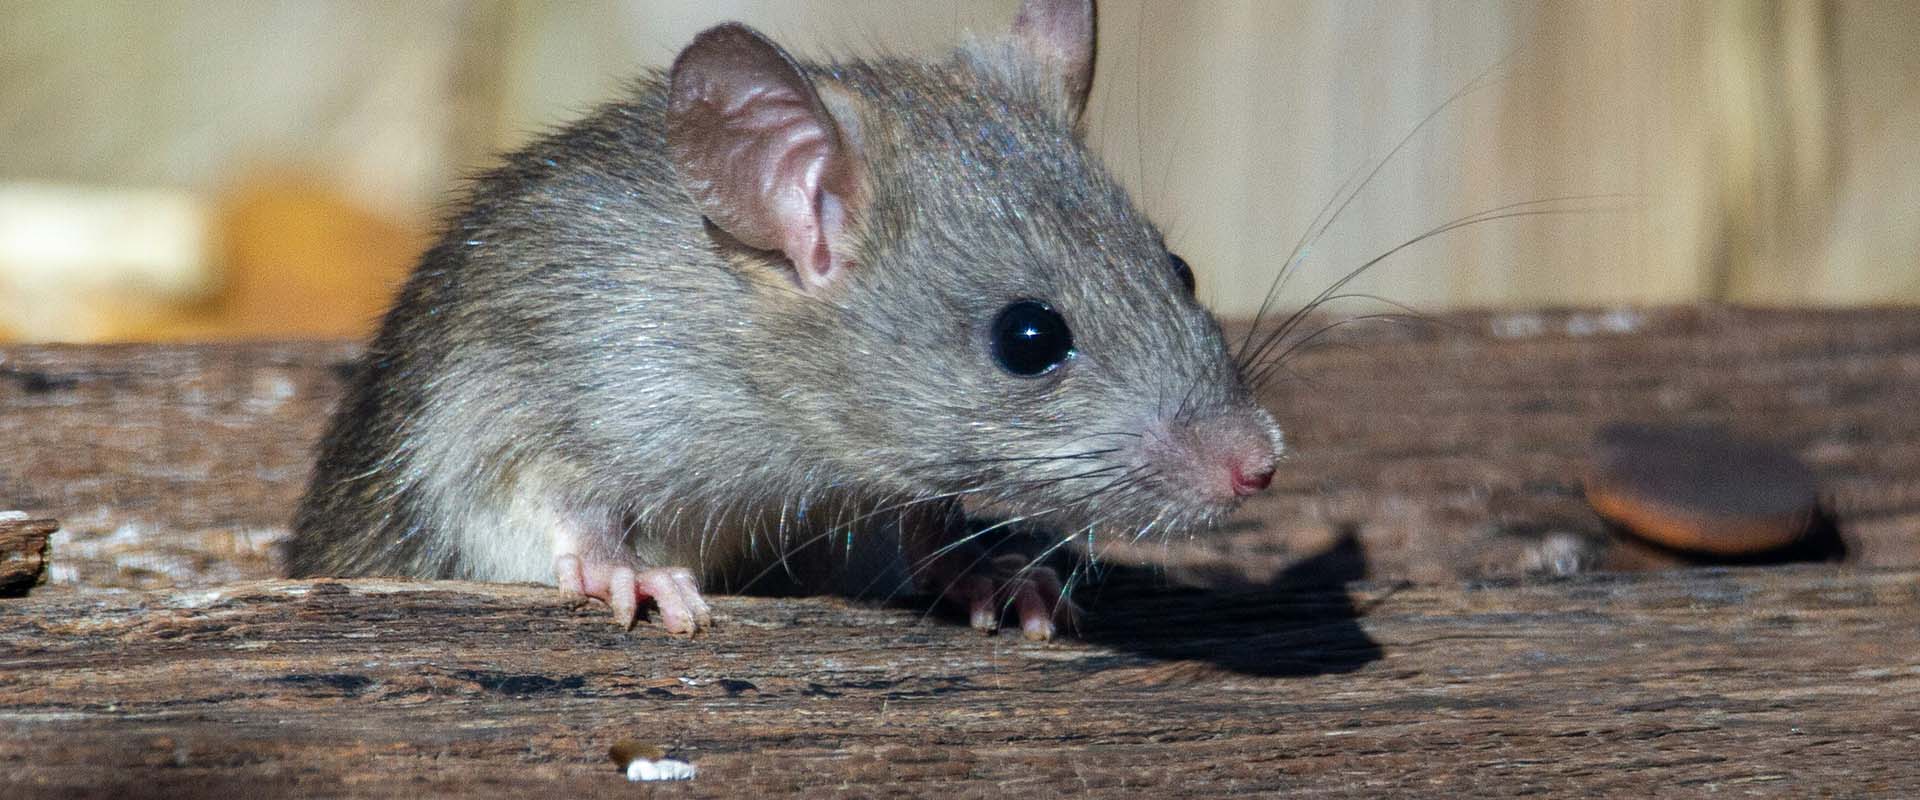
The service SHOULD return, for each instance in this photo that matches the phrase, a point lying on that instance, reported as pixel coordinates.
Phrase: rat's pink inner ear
(760, 153)
(1060, 35)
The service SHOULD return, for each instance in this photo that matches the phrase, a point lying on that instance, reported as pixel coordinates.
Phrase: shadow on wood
(1300, 624)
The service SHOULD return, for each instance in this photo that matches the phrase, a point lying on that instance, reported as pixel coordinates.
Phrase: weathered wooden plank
(23, 552)
(1782, 682)
(1431, 452)
(1449, 448)
(1453, 448)
(169, 465)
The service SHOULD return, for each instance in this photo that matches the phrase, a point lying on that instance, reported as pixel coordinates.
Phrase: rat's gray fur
(580, 348)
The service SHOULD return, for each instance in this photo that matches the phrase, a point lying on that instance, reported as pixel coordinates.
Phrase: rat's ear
(760, 152)
(1060, 35)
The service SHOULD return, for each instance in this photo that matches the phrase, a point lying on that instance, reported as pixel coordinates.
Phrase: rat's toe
(1043, 606)
(672, 589)
(568, 576)
(1033, 593)
(682, 609)
(1036, 614)
(976, 594)
(702, 613)
(623, 596)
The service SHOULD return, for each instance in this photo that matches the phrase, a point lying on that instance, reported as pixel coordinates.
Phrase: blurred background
(270, 168)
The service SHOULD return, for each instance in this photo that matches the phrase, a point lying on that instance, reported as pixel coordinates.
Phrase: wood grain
(1447, 448)
(1783, 682)
(1375, 626)
(23, 552)
(169, 465)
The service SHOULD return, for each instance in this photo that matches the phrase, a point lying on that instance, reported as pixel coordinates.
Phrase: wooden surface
(1783, 682)
(1436, 463)
(169, 465)
(1448, 449)
(23, 552)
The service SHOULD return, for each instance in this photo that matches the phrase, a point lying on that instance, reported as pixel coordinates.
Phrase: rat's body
(758, 303)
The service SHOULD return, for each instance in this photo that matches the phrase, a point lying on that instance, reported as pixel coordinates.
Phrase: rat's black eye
(1181, 269)
(1030, 338)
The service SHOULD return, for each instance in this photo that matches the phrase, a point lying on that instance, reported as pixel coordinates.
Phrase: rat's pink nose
(1250, 481)
(1222, 458)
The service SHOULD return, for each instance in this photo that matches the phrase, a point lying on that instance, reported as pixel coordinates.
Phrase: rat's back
(500, 345)
(762, 303)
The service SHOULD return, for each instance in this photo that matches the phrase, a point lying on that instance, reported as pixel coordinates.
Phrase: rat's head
(959, 298)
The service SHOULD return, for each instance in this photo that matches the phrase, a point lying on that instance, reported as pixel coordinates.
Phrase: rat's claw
(623, 597)
(983, 608)
(1036, 619)
(682, 609)
(1034, 593)
(672, 589)
(1043, 605)
(567, 575)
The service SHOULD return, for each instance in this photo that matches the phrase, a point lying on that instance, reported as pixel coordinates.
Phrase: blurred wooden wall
(1743, 150)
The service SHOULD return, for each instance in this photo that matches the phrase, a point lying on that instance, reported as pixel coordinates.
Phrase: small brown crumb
(626, 751)
(646, 762)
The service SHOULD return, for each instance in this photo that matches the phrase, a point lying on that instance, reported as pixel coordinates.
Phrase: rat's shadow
(1301, 623)
(1298, 624)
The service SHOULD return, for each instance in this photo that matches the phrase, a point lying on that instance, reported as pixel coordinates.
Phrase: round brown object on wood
(1700, 489)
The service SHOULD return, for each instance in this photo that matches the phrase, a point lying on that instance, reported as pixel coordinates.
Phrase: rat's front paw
(987, 587)
(672, 589)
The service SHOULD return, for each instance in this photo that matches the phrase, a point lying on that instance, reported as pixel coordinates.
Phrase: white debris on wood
(665, 769)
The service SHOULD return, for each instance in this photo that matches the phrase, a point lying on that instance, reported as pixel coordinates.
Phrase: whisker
(1261, 374)
(1033, 563)
(927, 561)
(1525, 208)
(1312, 234)
(1081, 456)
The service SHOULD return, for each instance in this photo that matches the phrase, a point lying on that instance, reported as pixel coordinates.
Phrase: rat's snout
(1219, 459)
(1251, 478)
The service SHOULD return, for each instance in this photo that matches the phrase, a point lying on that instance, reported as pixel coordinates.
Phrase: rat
(759, 302)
